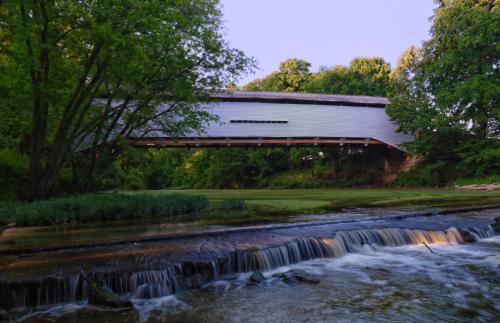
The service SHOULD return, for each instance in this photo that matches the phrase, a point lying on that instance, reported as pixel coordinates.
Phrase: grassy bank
(100, 207)
(311, 200)
(227, 205)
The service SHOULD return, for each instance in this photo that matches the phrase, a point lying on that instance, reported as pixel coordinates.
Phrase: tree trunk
(39, 78)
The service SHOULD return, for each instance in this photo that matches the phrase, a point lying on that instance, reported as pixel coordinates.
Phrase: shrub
(424, 175)
(13, 170)
(100, 207)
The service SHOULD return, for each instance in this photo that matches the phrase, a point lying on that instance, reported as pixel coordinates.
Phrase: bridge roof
(301, 98)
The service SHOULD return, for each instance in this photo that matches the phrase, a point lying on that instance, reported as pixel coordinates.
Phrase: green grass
(100, 207)
(307, 200)
(227, 205)
(293, 205)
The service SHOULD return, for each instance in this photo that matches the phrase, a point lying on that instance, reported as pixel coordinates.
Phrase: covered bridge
(275, 118)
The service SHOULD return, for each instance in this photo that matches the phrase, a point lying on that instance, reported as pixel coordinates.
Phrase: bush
(424, 175)
(100, 207)
(13, 170)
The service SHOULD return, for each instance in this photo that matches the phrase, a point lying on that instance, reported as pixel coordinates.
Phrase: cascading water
(340, 244)
(168, 280)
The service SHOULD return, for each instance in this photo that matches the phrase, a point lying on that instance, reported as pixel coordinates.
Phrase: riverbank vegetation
(238, 168)
(100, 207)
(227, 206)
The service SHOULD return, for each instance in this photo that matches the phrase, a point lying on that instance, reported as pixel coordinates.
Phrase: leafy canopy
(363, 76)
(291, 76)
(453, 81)
(57, 57)
(448, 93)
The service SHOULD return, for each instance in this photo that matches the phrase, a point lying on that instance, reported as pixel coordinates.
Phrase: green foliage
(100, 207)
(56, 58)
(321, 176)
(363, 76)
(448, 93)
(464, 158)
(228, 167)
(242, 168)
(424, 175)
(460, 66)
(291, 76)
(13, 170)
(479, 158)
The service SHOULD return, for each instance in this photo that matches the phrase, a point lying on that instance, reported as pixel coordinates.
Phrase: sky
(324, 32)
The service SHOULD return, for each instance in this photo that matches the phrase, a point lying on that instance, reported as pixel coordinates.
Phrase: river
(374, 269)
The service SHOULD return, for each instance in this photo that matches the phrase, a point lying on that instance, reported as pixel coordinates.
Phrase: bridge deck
(218, 142)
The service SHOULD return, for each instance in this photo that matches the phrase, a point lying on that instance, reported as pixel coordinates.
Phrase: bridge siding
(304, 120)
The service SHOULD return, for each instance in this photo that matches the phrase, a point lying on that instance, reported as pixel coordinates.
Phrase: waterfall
(480, 234)
(340, 244)
(189, 274)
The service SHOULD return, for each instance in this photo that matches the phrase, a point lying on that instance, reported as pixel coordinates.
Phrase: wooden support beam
(210, 142)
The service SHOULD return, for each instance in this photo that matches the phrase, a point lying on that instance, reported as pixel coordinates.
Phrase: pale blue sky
(324, 32)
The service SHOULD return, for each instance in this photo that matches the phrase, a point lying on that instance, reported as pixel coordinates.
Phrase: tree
(454, 81)
(132, 54)
(363, 76)
(447, 92)
(408, 104)
(291, 76)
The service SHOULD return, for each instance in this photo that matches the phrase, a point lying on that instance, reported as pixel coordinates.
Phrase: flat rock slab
(294, 276)
(482, 187)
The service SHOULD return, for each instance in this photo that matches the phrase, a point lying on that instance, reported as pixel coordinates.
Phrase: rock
(102, 295)
(486, 187)
(193, 281)
(188, 269)
(378, 269)
(466, 236)
(255, 278)
(294, 276)
(11, 225)
(496, 225)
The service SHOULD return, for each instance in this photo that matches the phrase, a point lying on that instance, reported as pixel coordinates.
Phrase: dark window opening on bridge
(259, 121)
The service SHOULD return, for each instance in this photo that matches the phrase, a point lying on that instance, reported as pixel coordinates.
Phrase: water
(47, 236)
(71, 234)
(397, 284)
(378, 269)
